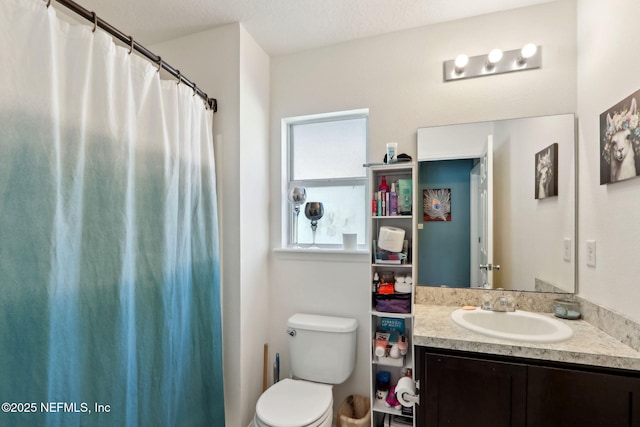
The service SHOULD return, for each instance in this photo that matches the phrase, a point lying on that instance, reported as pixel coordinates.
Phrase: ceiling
(287, 26)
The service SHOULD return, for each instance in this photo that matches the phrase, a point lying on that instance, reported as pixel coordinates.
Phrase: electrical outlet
(591, 253)
(566, 249)
(420, 226)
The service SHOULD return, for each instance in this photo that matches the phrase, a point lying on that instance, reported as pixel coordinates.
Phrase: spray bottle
(393, 200)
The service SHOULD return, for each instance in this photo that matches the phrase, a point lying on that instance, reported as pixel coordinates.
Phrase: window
(325, 155)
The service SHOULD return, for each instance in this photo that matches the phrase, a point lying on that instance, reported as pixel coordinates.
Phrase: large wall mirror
(498, 205)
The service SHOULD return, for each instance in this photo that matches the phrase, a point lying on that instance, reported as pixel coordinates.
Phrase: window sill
(324, 254)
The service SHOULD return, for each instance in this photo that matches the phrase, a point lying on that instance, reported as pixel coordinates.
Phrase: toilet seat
(295, 403)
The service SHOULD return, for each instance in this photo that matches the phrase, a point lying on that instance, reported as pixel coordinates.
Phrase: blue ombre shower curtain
(109, 254)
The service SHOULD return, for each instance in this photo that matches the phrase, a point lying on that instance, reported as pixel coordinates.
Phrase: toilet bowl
(295, 403)
(322, 351)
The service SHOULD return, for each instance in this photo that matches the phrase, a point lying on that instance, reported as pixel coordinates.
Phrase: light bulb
(461, 61)
(528, 50)
(494, 56)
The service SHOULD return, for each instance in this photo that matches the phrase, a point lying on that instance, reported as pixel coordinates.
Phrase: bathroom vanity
(466, 378)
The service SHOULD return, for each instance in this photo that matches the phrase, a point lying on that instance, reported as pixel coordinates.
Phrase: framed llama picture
(547, 172)
(620, 141)
(436, 204)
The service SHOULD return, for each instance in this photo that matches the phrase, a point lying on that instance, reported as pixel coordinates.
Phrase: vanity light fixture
(495, 62)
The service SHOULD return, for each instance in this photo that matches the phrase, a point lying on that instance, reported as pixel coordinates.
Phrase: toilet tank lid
(314, 322)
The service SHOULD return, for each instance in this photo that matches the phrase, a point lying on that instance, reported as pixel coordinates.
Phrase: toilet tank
(322, 348)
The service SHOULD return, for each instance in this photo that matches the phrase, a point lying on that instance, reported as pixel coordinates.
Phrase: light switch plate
(591, 253)
(566, 249)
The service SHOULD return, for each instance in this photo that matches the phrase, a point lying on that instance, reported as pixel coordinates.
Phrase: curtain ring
(159, 63)
(179, 77)
(195, 89)
(95, 22)
(131, 42)
(48, 3)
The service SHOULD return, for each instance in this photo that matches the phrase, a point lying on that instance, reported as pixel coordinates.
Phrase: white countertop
(433, 327)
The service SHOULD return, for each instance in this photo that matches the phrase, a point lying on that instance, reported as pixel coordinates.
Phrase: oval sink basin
(517, 326)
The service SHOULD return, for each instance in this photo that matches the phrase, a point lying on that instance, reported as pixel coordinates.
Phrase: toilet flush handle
(291, 332)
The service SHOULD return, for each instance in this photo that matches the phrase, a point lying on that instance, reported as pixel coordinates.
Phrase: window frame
(287, 171)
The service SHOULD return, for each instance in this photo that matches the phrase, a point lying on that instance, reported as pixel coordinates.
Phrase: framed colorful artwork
(437, 204)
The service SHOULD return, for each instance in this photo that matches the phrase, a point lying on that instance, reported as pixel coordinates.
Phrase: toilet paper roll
(391, 239)
(405, 389)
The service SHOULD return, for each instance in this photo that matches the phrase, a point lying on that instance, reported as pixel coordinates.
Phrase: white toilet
(323, 352)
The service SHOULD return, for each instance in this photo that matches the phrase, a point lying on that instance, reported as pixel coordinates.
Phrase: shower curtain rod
(128, 40)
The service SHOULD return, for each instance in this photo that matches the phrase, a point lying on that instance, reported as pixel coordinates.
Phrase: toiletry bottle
(383, 378)
(406, 205)
(381, 346)
(383, 185)
(393, 200)
(374, 206)
(403, 345)
(383, 188)
(376, 281)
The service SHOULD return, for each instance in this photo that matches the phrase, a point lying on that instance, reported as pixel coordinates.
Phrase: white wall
(227, 64)
(254, 201)
(398, 77)
(608, 71)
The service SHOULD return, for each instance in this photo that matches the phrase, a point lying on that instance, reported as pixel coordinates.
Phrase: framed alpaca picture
(547, 172)
(436, 204)
(620, 141)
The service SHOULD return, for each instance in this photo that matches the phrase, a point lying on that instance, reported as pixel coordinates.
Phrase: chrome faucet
(486, 302)
(504, 304)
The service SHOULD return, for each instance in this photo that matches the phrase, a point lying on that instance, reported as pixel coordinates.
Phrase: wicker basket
(355, 411)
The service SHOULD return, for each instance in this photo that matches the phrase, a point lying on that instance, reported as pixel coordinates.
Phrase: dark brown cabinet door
(562, 397)
(462, 391)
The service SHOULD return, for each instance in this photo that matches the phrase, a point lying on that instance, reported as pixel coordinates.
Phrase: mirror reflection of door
(474, 227)
(467, 238)
(485, 241)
